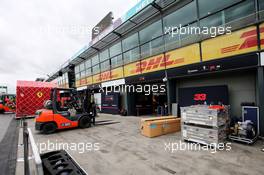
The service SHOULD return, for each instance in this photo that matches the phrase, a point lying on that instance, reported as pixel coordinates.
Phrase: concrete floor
(5, 120)
(124, 151)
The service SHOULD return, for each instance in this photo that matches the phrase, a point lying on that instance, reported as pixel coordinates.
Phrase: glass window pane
(212, 21)
(130, 42)
(77, 76)
(131, 55)
(115, 49)
(152, 48)
(261, 5)
(241, 12)
(117, 61)
(261, 9)
(151, 32)
(104, 55)
(96, 69)
(105, 65)
(88, 72)
(206, 7)
(172, 41)
(82, 67)
(95, 60)
(183, 16)
(190, 37)
(88, 63)
(77, 69)
(82, 74)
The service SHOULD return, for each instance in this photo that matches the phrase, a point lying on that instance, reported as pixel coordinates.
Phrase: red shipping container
(30, 96)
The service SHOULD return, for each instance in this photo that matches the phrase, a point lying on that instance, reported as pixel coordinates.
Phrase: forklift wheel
(49, 128)
(2, 111)
(85, 122)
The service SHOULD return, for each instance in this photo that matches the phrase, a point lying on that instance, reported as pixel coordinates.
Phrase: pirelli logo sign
(239, 42)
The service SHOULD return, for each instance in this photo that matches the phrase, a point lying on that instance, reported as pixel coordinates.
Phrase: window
(152, 48)
(88, 72)
(115, 49)
(212, 21)
(77, 69)
(77, 76)
(88, 63)
(207, 7)
(82, 74)
(183, 16)
(104, 55)
(261, 5)
(130, 42)
(191, 37)
(150, 32)
(116, 61)
(96, 69)
(95, 60)
(105, 65)
(261, 9)
(172, 42)
(65, 78)
(131, 55)
(82, 67)
(244, 11)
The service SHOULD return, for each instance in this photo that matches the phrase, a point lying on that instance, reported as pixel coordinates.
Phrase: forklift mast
(82, 104)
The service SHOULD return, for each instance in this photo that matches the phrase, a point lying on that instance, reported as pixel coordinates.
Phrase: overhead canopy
(123, 28)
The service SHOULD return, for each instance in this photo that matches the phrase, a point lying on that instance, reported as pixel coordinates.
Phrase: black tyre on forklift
(49, 128)
(85, 122)
(2, 111)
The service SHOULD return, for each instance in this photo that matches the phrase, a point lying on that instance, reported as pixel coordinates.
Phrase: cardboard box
(31, 96)
(153, 127)
(157, 118)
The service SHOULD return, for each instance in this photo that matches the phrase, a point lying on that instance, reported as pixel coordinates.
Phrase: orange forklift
(66, 109)
(7, 103)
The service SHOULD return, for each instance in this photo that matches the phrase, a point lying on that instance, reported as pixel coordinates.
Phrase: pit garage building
(138, 49)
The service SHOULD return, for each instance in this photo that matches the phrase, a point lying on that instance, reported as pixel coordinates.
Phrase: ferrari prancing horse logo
(39, 94)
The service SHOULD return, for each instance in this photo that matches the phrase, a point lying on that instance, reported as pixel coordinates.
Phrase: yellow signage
(83, 81)
(261, 30)
(183, 56)
(117, 73)
(96, 78)
(152, 64)
(105, 76)
(77, 83)
(89, 80)
(242, 41)
(132, 69)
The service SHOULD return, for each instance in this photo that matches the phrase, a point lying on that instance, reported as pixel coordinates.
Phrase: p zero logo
(250, 40)
(39, 94)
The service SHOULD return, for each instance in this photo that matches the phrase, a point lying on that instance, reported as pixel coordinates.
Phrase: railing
(32, 160)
